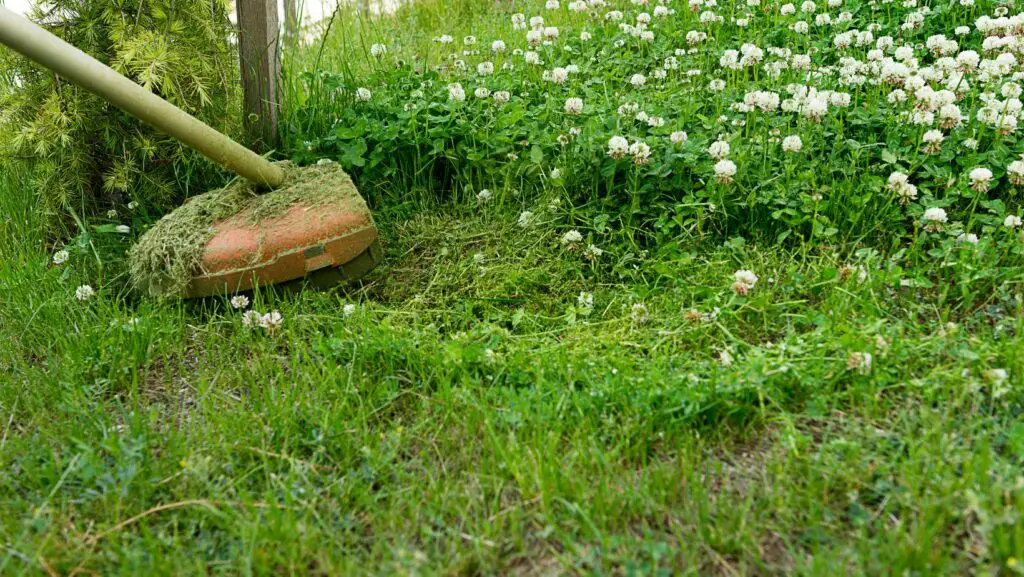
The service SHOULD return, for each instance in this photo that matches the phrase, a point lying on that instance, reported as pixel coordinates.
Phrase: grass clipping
(165, 259)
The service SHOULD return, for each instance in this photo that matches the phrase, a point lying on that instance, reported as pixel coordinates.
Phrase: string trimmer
(312, 222)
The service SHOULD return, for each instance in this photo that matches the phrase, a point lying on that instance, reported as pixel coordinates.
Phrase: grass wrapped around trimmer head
(164, 260)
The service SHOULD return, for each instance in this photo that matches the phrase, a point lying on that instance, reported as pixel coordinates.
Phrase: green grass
(466, 418)
(462, 412)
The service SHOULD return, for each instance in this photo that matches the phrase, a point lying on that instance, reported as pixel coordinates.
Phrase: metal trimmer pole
(37, 44)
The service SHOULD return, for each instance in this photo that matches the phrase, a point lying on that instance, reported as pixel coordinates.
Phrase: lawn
(714, 349)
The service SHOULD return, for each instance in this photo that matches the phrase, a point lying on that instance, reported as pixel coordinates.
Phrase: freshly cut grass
(165, 259)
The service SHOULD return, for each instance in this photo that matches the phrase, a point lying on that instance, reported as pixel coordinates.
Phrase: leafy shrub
(92, 156)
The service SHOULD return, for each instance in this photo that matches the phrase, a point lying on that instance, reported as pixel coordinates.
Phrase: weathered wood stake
(258, 27)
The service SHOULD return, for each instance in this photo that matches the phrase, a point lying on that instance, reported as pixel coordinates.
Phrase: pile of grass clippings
(165, 259)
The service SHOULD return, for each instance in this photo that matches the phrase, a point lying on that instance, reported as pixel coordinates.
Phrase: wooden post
(258, 27)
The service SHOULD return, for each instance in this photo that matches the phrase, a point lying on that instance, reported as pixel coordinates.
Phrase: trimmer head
(232, 240)
(302, 241)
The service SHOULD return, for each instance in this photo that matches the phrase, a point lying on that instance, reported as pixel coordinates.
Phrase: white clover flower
(640, 152)
(559, 75)
(996, 376)
(970, 144)
(678, 137)
(618, 147)
(718, 150)
(638, 80)
(84, 292)
(815, 107)
(839, 99)
(584, 36)
(574, 106)
(934, 218)
(792, 143)
(969, 238)
(498, 46)
(349, 310)
(469, 40)
(534, 37)
(859, 362)
(787, 10)
(271, 320)
(481, 92)
(1012, 221)
(456, 93)
(239, 301)
(525, 219)
(1015, 172)
(485, 68)
(933, 141)
(444, 39)
(484, 196)
(593, 252)
(949, 116)
(551, 33)
(716, 85)
(638, 314)
(897, 96)
(628, 109)
(585, 301)
(363, 94)
(571, 238)
(251, 318)
(725, 358)
(502, 97)
(378, 50)
(60, 257)
(745, 281)
(556, 173)
(725, 170)
(531, 57)
(900, 184)
(552, 5)
(980, 179)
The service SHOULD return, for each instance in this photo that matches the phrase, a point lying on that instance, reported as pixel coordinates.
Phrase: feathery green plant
(92, 156)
